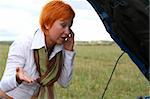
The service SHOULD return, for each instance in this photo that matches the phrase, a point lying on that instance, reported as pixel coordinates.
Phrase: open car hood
(127, 22)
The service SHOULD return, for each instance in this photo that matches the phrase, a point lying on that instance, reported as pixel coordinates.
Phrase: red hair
(53, 11)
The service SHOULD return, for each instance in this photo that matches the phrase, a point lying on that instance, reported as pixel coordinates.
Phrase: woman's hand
(22, 76)
(3, 95)
(69, 43)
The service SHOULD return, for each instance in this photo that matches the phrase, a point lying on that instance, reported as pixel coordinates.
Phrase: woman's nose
(67, 31)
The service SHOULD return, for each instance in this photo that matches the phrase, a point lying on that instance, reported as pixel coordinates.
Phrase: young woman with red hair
(35, 63)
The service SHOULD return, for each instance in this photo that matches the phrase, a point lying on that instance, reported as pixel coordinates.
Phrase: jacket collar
(39, 42)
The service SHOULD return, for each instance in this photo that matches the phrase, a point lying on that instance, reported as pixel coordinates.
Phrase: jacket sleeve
(16, 57)
(66, 73)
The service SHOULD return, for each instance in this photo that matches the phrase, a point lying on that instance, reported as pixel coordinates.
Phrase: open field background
(92, 68)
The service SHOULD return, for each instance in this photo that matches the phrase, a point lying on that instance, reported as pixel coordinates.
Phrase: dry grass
(92, 68)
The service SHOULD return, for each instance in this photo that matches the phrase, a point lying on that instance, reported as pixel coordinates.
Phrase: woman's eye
(63, 25)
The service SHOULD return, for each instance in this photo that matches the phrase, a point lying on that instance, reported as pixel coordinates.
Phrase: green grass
(92, 68)
(3, 56)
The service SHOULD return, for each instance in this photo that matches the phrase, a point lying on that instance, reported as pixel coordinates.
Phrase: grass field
(92, 68)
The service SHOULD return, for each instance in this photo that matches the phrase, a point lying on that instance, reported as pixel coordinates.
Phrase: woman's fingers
(71, 34)
(28, 79)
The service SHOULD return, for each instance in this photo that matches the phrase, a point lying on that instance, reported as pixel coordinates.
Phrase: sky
(21, 17)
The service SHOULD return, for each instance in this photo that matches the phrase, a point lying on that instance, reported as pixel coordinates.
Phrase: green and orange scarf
(49, 71)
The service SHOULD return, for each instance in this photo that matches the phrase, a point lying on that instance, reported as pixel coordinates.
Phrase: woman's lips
(64, 38)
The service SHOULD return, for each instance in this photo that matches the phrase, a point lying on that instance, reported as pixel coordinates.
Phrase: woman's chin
(60, 42)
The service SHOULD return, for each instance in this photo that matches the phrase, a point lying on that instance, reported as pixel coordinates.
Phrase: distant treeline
(94, 42)
(6, 42)
(76, 42)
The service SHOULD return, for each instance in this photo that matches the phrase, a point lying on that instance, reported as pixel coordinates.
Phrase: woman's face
(59, 31)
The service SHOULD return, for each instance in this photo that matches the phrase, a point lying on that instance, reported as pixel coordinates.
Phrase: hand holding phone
(69, 43)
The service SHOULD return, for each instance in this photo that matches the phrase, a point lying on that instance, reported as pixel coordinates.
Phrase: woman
(35, 63)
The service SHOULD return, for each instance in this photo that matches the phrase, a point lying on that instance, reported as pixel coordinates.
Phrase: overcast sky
(20, 17)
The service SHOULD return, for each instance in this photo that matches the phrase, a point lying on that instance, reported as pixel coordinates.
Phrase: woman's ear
(46, 26)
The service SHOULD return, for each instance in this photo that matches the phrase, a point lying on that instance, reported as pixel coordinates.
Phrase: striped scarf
(49, 71)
